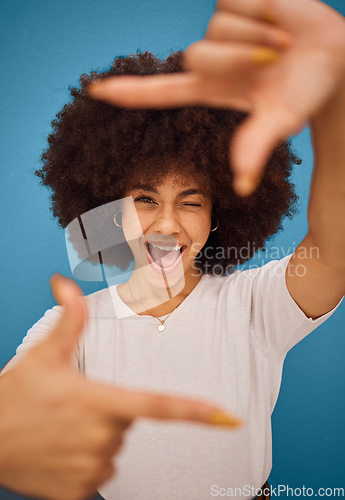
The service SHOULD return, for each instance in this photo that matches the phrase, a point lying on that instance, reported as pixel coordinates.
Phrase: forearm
(326, 209)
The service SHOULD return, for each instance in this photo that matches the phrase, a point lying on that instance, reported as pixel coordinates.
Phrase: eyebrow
(186, 192)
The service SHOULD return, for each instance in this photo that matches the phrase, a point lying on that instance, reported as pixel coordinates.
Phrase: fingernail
(264, 56)
(95, 87)
(221, 418)
(62, 288)
(246, 184)
(56, 284)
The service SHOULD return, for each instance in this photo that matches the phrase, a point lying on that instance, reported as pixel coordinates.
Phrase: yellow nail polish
(264, 56)
(220, 418)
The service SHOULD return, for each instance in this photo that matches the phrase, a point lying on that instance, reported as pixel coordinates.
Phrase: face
(175, 220)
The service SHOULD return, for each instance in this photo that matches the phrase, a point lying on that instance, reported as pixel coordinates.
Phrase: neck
(145, 299)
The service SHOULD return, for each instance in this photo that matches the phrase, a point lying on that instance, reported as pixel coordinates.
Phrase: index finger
(124, 404)
(155, 91)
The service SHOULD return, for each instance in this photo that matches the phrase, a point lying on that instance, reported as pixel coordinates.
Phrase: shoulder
(101, 303)
(98, 301)
(245, 278)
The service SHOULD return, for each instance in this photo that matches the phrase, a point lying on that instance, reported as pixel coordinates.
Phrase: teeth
(167, 249)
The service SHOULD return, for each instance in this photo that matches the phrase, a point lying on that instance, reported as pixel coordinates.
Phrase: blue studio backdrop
(46, 46)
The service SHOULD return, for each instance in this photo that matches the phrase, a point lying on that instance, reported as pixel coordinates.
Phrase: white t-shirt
(225, 343)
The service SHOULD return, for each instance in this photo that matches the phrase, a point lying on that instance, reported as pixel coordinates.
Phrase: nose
(166, 221)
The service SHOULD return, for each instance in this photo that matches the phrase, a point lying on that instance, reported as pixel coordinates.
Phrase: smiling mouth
(164, 257)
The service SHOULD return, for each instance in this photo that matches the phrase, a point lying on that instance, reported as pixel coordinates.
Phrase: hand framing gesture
(279, 60)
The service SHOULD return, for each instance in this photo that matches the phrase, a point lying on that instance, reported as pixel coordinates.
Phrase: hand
(58, 431)
(278, 60)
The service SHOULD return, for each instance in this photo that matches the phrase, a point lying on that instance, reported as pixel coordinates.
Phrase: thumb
(254, 142)
(61, 342)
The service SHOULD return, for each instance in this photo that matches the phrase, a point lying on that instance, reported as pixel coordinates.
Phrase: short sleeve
(36, 333)
(275, 320)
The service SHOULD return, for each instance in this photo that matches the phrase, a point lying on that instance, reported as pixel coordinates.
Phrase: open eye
(144, 199)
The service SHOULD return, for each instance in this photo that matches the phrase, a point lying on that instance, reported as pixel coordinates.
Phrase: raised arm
(318, 283)
(282, 61)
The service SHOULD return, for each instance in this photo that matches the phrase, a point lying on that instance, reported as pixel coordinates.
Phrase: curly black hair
(96, 152)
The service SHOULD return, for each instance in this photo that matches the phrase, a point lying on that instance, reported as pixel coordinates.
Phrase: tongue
(163, 257)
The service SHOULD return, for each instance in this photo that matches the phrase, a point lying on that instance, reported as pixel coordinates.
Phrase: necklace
(161, 326)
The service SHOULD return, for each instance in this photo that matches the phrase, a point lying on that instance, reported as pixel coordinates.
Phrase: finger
(226, 26)
(164, 92)
(159, 91)
(60, 343)
(64, 288)
(258, 9)
(225, 59)
(253, 144)
(127, 405)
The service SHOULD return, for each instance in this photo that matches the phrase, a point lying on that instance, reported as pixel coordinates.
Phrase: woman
(225, 337)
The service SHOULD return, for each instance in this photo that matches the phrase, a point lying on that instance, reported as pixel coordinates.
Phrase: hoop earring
(118, 225)
(215, 229)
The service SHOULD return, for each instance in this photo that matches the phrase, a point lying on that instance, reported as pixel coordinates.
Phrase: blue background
(46, 46)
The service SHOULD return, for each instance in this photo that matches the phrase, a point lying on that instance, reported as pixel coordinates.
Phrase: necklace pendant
(161, 328)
